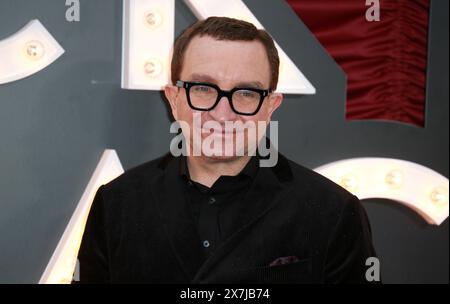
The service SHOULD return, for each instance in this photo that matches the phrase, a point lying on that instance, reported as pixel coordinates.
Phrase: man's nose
(223, 111)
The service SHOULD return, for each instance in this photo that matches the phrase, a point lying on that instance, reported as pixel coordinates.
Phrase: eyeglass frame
(187, 85)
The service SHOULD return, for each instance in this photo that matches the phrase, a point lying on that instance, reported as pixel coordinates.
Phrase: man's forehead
(200, 41)
(244, 63)
(200, 77)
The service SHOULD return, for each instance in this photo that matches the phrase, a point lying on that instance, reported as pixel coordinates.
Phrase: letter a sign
(148, 34)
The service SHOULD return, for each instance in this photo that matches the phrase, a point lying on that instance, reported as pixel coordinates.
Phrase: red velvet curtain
(385, 61)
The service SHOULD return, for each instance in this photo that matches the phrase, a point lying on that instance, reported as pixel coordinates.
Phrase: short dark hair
(224, 28)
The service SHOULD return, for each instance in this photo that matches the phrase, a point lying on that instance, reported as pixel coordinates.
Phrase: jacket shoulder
(139, 176)
(311, 186)
(305, 178)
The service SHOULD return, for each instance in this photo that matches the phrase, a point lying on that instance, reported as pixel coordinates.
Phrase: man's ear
(275, 100)
(171, 93)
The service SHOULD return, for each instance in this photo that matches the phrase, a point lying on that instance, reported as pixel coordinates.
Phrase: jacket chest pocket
(298, 272)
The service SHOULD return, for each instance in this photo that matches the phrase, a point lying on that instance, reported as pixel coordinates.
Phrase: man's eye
(202, 89)
(247, 94)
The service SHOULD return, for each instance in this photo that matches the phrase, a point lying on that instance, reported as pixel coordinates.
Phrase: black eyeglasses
(203, 96)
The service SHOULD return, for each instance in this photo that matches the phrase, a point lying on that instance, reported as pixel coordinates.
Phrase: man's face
(227, 64)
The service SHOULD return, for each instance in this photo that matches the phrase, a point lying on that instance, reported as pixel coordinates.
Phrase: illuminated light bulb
(394, 179)
(34, 50)
(349, 182)
(439, 196)
(153, 19)
(153, 67)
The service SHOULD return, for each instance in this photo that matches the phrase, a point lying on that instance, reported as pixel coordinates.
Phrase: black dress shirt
(213, 209)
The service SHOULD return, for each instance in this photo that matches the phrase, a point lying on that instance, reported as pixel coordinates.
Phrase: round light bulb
(394, 179)
(153, 67)
(439, 196)
(153, 19)
(34, 50)
(349, 182)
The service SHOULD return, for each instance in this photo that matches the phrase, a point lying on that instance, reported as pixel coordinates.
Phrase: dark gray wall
(55, 124)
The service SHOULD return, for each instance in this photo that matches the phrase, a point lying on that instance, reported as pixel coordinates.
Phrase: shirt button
(206, 243)
(212, 200)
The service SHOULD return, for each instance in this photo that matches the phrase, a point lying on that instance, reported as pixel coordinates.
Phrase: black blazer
(303, 229)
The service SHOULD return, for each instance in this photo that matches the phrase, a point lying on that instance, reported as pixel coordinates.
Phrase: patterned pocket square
(284, 260)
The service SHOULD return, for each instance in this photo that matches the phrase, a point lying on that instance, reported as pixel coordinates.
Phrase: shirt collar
(250, 169)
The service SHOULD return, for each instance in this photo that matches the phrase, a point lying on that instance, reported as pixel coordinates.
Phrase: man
(220, 218)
